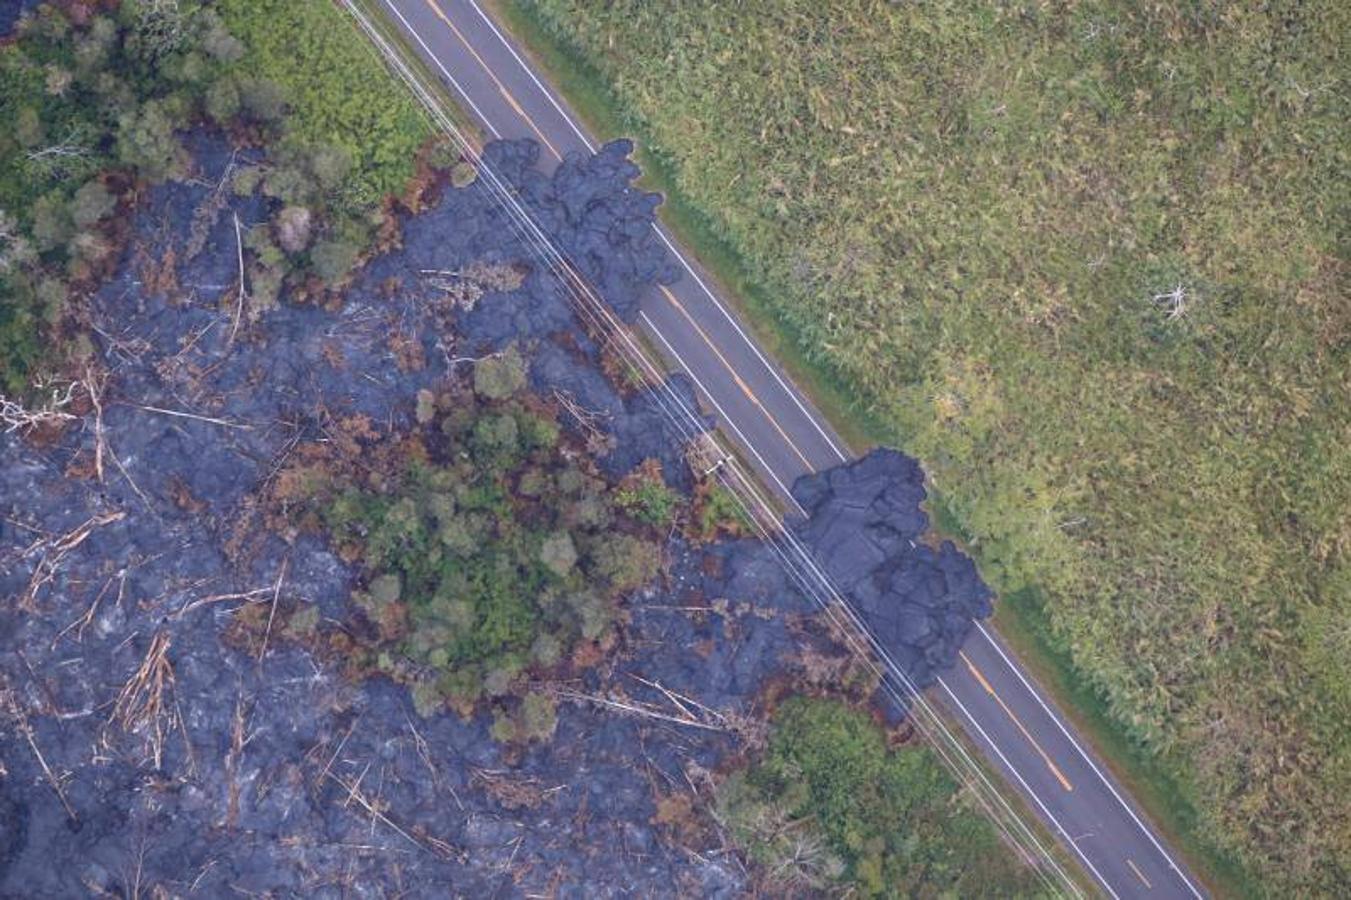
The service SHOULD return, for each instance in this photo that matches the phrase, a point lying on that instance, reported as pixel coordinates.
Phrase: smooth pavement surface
(783, 436)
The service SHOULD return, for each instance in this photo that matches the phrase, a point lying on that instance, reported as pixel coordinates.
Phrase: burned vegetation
(282, 615)
(329, 572)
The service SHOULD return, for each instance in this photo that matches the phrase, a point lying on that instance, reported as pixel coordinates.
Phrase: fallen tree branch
(14, 416)
(94, 387)
(640, 709)
(140, 704)
(245, 596)
(680, 700)
(354, 793)
(54, 552)
(239, 301)
(272, 613)
(80, 624)
(187, 415)
(26, 729)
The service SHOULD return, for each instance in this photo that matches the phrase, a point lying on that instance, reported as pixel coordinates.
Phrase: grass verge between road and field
(1155, 777)
(1024, 626)
(718, 260)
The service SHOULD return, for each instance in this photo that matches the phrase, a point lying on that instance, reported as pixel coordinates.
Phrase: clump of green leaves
(645, 496)
(830, 805)
(717, 511)
(533, 719)
(500, 375)
(494, 552)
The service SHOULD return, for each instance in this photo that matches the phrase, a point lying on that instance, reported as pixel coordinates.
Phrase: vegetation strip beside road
(1188, 377)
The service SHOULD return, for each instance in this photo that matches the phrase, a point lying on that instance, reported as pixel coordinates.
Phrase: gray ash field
(142, 749)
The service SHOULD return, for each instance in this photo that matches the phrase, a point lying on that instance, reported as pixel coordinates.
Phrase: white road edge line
(1092, 765)
(428, 50)
(1031, 793)
(726, 418)
(529, 72)
(791, 391)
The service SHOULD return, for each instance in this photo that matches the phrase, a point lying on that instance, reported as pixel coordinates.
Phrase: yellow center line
(502, 88)
(511, 101)
(1138, 874)
(745, 388)
(989, 688)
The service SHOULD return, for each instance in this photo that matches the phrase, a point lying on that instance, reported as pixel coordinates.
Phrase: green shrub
(500, 375)
(649, 501)
(338, 93)
(470, 578)
(829, 802)
(539, 717)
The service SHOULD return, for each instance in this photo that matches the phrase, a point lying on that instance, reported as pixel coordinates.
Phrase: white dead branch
(83, 622)
(140, 707)
(93, 385)
(683, 714)
(54, 550)
(242, 596)
(11, 705)
(272, 612)
(187, 415)
(376, 809)
(61, 158)
(14, 416)
(242, 297)
(1174, 301)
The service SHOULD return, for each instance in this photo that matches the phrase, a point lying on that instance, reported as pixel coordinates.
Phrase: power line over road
(783, 436)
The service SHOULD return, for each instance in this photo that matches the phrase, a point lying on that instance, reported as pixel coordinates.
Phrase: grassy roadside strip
(1156, 790)
(1020, 618)
(718, 261)
(374, 10)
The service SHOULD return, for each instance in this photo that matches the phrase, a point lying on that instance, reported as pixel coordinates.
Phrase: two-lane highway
(1005, 715)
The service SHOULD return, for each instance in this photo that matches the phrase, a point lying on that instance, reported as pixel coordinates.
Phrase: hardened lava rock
(600, 222)
(250, 794)
(864, 524)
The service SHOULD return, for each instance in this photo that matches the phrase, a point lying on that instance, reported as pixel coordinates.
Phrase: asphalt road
(783, 436)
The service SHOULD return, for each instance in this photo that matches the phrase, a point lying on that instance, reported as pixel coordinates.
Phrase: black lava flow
(268, 813)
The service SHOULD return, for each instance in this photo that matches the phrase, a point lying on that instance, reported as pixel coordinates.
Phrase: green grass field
(337, 90)
(1088, 263)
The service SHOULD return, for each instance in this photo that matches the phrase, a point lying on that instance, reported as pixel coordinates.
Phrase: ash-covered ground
(142, 751)
(10, 11)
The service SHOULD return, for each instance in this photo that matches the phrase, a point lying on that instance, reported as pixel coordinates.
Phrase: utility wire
(796, 559)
